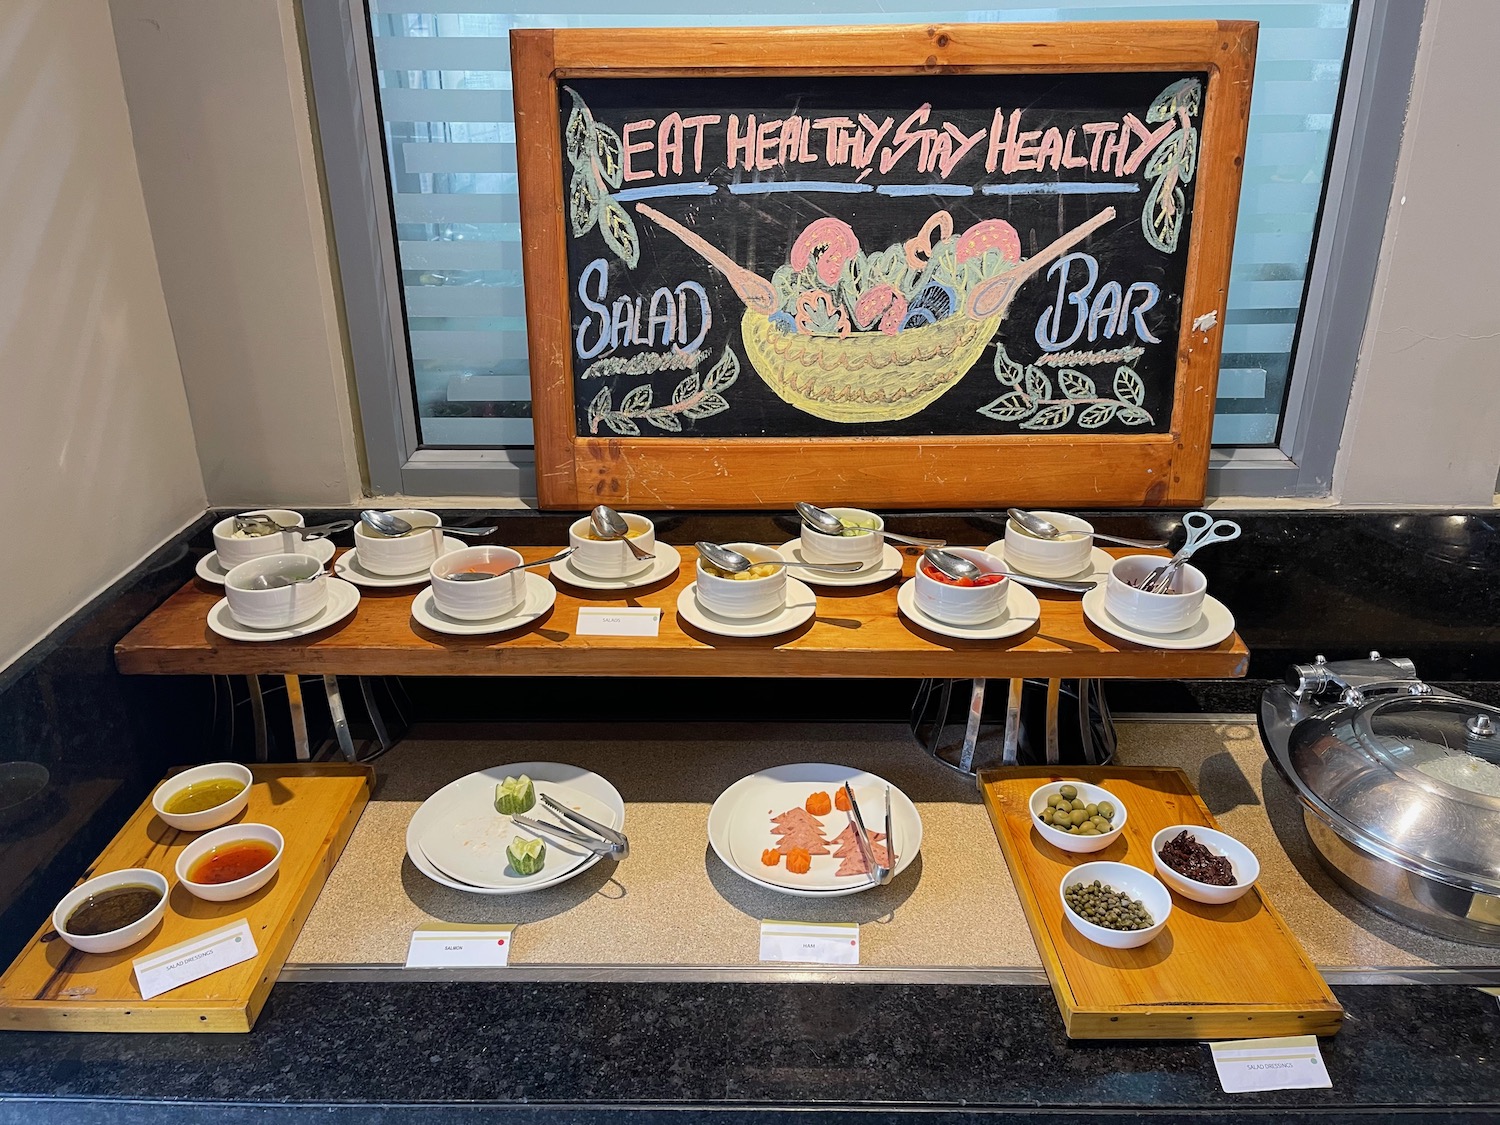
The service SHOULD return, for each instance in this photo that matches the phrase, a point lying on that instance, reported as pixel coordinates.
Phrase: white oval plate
(739, 825)
(348, 568)
(1022, 611)
(1097, 570)
(667, 562)
(1215, 624)
(211, 571)
(540, 594)
(343, 599)
(801, 604)
(575, 779)
(889, 566)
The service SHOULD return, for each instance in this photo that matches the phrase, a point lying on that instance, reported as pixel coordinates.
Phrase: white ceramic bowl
(125, 935)
(237, 888)
(611, 558)
(744, 597)
(1140, 885)
(864, 547)
(281, 606)
(1153, 613)
(1088, 794)
(1051, 558)
(208, 818)
(1241, 860)
(478, 601)
(962, 605)
(400, 554)
(236, 547)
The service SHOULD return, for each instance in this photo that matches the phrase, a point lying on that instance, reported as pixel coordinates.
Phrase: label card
(822, 943)
(1292, 1063)
(627, 621)
(198, 957)
(439, 945)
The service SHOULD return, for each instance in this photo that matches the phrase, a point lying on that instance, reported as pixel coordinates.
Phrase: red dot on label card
(500, 942)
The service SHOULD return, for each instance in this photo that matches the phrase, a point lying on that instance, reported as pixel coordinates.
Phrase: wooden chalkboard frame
(1159, 469)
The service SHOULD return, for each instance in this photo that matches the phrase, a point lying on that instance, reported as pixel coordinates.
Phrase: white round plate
(1022, 611)
(211, 571)
(739, 825)
(343, 599)
(889, 566)
(1097, 570)
(347, 567)
(667, 562)
(801, 604)
(476, 792)
(540, 594)
(1214, 625)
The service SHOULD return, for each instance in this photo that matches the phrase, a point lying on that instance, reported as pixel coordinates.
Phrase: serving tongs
(604, 841)
(1202, 529)
(265, 525)
(881, 875)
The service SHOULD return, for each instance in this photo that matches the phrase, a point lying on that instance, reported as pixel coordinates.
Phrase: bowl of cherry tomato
(963, 601)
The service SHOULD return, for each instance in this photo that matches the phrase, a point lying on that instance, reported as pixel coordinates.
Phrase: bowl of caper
(1077, 816)
(1115, 904)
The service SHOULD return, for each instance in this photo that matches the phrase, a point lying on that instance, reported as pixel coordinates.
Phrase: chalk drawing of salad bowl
(854, 337)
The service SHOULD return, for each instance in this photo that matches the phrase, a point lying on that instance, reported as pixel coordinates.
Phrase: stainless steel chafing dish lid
(1405, 771)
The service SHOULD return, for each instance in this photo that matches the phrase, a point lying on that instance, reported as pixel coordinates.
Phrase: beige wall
(222, 133)
(1424, 419)
(218, 103)
(97, 465)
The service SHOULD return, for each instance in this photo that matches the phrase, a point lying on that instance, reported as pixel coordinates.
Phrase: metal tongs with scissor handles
(604, 841)
(881, 875)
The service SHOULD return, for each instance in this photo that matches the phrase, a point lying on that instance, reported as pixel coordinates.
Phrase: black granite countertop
(382, 1053)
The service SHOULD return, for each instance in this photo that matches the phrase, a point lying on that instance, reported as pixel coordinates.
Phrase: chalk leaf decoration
(1172, 163)
(1029, 400)
(594, 151)
(695, 396)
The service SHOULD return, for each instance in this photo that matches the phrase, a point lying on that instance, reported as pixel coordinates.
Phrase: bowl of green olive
(1077, 816)
(1114, 904)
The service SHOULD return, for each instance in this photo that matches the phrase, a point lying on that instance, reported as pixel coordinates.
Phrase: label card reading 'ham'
(819, 943)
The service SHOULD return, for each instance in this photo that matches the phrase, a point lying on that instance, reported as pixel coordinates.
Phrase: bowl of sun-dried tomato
(1204, 864)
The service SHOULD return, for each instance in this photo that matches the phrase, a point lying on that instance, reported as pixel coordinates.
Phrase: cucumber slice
(515, 795)
(527, 857)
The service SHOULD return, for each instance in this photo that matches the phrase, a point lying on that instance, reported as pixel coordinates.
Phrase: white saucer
(540, 594)
(210, 570)
(342, 601)
(347, 567)
(1215, 625)
(801, 604)
(1097, 570)
(667, 562)
(1022, 611)
(889, 566)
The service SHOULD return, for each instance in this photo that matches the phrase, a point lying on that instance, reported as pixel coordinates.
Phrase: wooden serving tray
(53, 987)
(1215, 972)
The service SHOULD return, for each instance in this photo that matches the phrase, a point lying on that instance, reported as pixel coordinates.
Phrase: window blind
(449, 124)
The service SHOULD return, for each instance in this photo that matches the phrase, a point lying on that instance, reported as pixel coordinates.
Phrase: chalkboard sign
(797, 282)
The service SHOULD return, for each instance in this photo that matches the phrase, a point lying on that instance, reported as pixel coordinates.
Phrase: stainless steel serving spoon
(727, 558)
(279, 581)
(1034, 525)
(258, 525)
(609, 524)
(820, 519)
(956, 566)
(484, 576)
(395, 526)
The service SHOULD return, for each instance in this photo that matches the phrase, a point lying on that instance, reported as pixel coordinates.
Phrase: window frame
(1366, 145)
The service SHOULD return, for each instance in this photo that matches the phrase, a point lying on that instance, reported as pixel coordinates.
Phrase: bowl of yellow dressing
(203, 797)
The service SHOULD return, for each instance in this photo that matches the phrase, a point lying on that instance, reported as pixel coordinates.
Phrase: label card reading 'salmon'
(439, 945)
(1291, 1063)
(821, 943)
(198, 957)
(611, 621)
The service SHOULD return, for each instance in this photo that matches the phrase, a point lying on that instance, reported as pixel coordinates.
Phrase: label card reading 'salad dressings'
(1291, 1063)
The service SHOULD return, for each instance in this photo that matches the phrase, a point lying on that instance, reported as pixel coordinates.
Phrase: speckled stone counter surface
(382, 1054)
